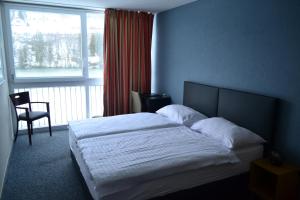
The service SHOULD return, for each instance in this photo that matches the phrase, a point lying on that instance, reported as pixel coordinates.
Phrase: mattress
(161, 185)
(117, 124)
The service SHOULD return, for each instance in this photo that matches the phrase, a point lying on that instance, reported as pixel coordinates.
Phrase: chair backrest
(20, 98)
(136, 102)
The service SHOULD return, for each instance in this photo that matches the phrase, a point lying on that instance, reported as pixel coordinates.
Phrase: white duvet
(122, 161)
(117, 124)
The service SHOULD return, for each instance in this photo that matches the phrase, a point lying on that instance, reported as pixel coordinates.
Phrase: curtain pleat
(127, 58)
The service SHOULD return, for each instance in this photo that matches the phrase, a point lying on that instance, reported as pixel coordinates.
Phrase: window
(95, 30)
(56, 54)
(46, 44)
(55, 42)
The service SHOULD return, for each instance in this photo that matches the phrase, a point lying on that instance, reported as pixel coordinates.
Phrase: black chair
(29, 116)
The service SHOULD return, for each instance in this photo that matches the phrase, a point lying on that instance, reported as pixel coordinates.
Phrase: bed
(116, 124)
(109, 171)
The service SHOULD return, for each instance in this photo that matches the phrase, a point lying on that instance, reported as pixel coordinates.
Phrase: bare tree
(38, 47)
(23, 54)
(49, 53)
(92, 45)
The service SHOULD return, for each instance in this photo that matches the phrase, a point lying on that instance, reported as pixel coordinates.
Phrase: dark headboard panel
(202, 98)
(252, 111)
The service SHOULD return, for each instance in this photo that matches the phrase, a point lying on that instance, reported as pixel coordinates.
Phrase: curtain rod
(148, 12)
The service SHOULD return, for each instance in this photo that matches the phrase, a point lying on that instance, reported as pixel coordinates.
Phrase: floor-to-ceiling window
(56, 55)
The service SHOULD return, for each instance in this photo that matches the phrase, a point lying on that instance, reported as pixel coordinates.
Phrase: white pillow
(230, 134)
(181, 114)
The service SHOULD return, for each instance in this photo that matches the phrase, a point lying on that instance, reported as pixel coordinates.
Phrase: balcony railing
(67, 103)
(96, 100)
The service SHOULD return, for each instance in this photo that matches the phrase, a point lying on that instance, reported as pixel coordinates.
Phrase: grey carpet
(44, 170)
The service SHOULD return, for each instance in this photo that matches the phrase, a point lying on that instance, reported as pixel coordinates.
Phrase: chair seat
(33, 115)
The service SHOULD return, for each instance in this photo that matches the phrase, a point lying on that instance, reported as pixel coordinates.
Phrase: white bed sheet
(176, 182)
(189, 179)
(117, 163)
(117, 124)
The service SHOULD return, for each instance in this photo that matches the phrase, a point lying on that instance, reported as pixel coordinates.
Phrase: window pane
(46, 44)
(95, 29)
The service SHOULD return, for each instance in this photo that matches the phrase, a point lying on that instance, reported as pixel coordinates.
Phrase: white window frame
(84, 43)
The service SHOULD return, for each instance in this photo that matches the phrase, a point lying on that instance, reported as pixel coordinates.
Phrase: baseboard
(5, 170)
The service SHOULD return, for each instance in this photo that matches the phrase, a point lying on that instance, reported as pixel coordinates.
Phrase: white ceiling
(141, 5)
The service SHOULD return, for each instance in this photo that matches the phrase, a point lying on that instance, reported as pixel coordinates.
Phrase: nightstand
(151, 103)
(268, 181)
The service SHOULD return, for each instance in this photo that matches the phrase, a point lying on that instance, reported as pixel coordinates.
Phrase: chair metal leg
(29, 128)
(49, 124)
(17, 131)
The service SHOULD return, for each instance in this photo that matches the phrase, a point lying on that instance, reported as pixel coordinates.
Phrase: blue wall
(250, 45)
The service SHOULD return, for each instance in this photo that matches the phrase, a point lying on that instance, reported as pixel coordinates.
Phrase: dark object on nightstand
(275, 158)
(153, 102)
(268, 181)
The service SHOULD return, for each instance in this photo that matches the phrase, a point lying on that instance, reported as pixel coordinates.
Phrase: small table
(153, 102)
(268, 181)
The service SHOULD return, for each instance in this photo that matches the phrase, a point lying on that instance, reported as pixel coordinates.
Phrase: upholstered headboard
(202, 98)
(252, 111)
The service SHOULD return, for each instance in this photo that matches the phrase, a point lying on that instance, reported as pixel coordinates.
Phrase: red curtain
(127, 58)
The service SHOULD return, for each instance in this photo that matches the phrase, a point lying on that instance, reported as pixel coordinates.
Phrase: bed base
(235, 187)
(88, 195)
